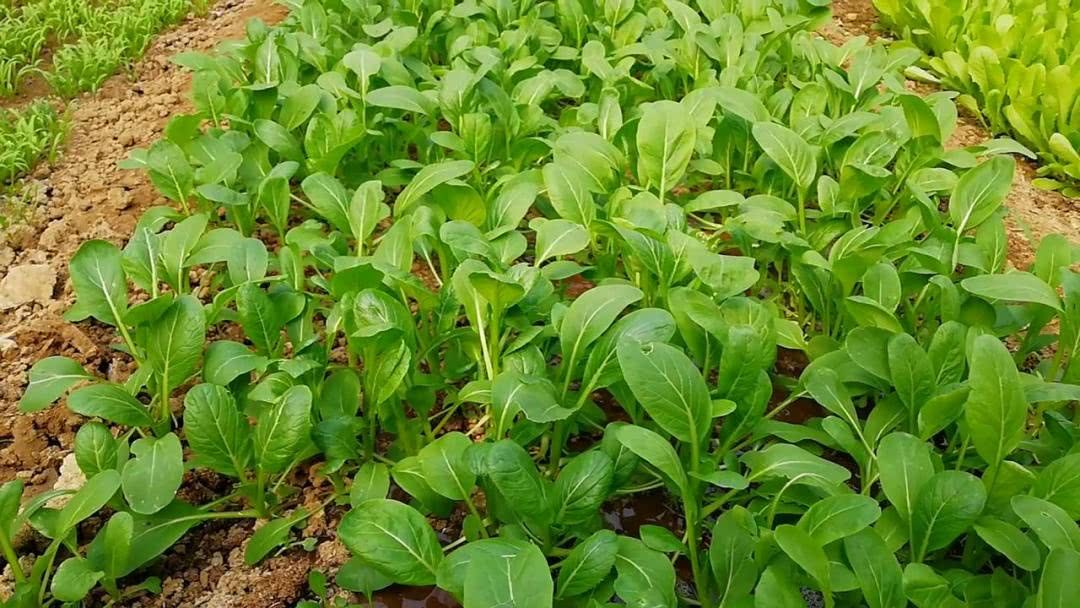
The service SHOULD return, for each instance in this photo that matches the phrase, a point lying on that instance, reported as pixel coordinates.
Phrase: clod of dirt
(26, 284)
(71, 478)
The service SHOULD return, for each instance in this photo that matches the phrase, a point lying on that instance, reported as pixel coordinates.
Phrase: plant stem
(12, 558)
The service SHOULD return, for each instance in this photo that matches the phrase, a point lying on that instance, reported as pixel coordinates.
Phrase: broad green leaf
(876, 569)
(50, 378)
(590, 315)
(655, 450)
(669, 386)
(836, 517)
(980, 192)
(395, 538)
(1013, 287)
(792, 462)
(176, 342)
(515, 475)
(1059, 483)
(905, 467)
(444, 467)
(643, 577)
(282, 430)
(996, 410)
(731, 554)
(74, 579)
(96, 449)
(946, 507)
(1057, 585)
(796, 158)
(227, 360)
(588, 563)
(217, 431)
(270, 536)
(559, 237)
(521, 580)
(372, 480)
(100, 285)
(329, 198)
(152, 477)
(110, 402)
(928, 589)
(806, 552)
(665, 143)
(1054, 527)
(399, 97)
(582, 486)
(1008, 540)
(88, 500)
(426, 179)
(569, 194)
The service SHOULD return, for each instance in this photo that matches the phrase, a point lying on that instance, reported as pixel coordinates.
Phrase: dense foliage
(1016, 62)
(505, 261)
(27, 136)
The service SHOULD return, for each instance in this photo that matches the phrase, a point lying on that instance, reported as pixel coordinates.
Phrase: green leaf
(217, 431)
(1013, 287)
(227, 360)
(559, 237)
(589, 316)
(514, 474)
(110, 402)
(1057, 585)
(444, 467)
(1009, 541)
(522, 580)
(876, 569)
(947, 505)
(426, 179)
(88, 500)
(399, 97)
(395, 538)
(665, 143)
(655, 450)
(270, 536)
(582, 486)
(836, 517)
(154, 474)
(100, 285)
(569, 194)
(792, 462)
(50, 378)
(911, 372)
(928, 589)
(372, 480)
(74, 579)
(1054, 527)
(588, 564)
(282, 430)
(96, 449)
(117, 544)
(329, 198)
(176, 341)
(980, 192)
(796, 158)
(731, 554)
(996, 410)
(806, 552)
(1059, 483)
(905, 467)
(279, 139)
(644, 577)
(259, 318)
(670, 388)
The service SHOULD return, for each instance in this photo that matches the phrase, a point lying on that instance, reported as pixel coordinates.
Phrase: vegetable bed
(460, 277)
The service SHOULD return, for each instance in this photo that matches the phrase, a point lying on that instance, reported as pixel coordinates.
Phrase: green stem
(11, 557)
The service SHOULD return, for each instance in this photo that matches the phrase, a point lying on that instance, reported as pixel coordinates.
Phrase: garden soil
(84, 196)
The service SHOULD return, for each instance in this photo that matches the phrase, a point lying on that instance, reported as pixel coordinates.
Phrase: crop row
(92, 39)
(1015, 62)
(27, 136)
(506, 261)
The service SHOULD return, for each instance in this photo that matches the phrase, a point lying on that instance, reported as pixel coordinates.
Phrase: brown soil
(1033, 213)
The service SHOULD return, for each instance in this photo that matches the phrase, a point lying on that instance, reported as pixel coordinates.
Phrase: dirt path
(1033, 213)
